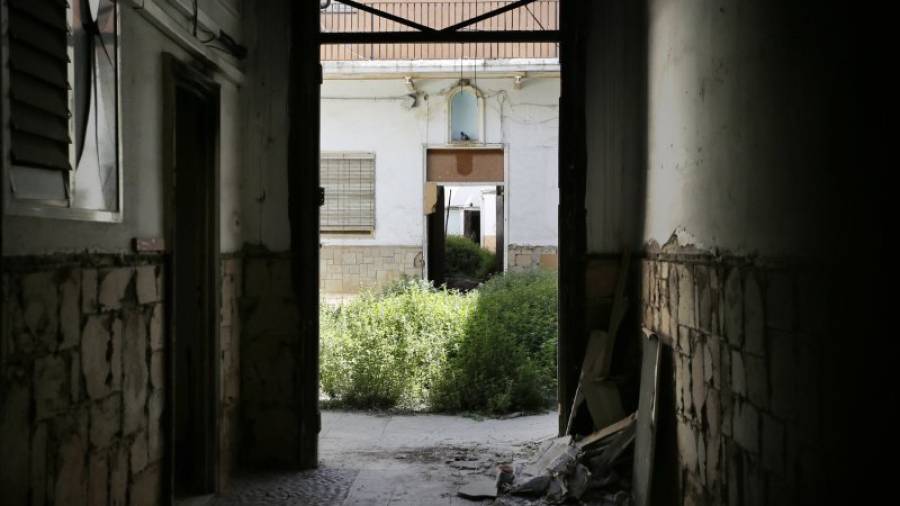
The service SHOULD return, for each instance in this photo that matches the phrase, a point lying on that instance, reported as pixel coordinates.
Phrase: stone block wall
(747, 376)
(230, 367)
(269, 333)
(82, 381)
(526, 258)
(350, 269)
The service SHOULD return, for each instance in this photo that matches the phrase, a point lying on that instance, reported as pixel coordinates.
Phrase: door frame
(305, 82)
(504, 184)
(180, 76)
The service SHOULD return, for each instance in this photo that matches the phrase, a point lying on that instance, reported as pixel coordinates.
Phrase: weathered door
(437, 231)
(193, 121)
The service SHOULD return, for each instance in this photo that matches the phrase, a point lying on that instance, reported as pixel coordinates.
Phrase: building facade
(394, 113)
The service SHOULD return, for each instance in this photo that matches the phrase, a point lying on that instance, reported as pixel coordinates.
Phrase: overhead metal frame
(428, 35)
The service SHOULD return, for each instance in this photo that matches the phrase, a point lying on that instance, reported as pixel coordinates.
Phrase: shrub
(386, 349)
(464, 258)
(506, 358)
(491, 350)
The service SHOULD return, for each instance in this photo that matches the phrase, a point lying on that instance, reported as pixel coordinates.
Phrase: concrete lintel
(441, 69)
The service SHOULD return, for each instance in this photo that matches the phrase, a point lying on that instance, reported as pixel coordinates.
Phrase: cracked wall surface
(748, 373)
(83, 383)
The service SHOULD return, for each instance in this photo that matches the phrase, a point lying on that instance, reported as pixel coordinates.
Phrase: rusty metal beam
(487, 15)
(435, 37)
(386, 15)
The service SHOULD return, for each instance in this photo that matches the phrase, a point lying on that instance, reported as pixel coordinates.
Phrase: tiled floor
(392, 460)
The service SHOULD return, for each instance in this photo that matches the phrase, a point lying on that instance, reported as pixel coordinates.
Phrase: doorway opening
(467, 235)
(425, 152)
(192, 109)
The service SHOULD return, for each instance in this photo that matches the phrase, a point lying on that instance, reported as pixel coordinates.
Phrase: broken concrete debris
(589, 470)
(478, 488)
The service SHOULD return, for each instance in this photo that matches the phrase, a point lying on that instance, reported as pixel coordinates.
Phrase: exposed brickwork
(745, 381)
(526, 258)
(81, 419)
(85, 346)
(350, 269)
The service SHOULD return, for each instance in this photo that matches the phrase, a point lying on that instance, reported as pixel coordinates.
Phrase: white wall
(369, 115)
(738, 113)
(142, 114)
(488, 214)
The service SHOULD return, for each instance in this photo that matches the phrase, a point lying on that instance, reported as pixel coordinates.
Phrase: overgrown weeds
(416, 347)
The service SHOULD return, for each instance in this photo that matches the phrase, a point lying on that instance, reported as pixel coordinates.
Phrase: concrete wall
(740, 103)
(142, 145)
(526, 258)
(369, 115)
(82, 386)
(264, 179)
(731, 156)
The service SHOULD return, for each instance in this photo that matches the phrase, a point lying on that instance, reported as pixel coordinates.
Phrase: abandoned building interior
(161, 242)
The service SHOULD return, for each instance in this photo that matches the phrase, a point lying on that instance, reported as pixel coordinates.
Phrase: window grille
(39, 85)
(349, 183)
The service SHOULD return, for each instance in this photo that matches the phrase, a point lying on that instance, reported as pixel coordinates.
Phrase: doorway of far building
(473, 222)
(466, 200)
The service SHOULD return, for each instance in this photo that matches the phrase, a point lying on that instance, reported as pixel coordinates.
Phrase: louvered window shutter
(349, 183)
(40, 85)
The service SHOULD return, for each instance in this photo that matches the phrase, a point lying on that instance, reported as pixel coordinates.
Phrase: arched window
(465, 115)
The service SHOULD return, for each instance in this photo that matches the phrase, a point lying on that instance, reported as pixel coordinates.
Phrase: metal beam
(386, 15)
(487, 15)
(435, 37)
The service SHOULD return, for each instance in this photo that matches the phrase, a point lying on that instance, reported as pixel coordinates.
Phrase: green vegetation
(416, 347)
(467, 259)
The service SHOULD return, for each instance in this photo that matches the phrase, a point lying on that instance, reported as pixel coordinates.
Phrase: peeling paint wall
(83, 382)
(740, 103)
(740, 278)
(749, 376)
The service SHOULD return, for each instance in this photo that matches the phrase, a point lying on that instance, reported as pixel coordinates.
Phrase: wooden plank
(645, 440)
(607, 431)
(603, 401)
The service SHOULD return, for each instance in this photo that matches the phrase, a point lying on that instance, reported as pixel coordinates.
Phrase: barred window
(349, 183)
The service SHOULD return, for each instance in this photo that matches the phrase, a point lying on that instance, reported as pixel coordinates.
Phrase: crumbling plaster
(735, 113)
